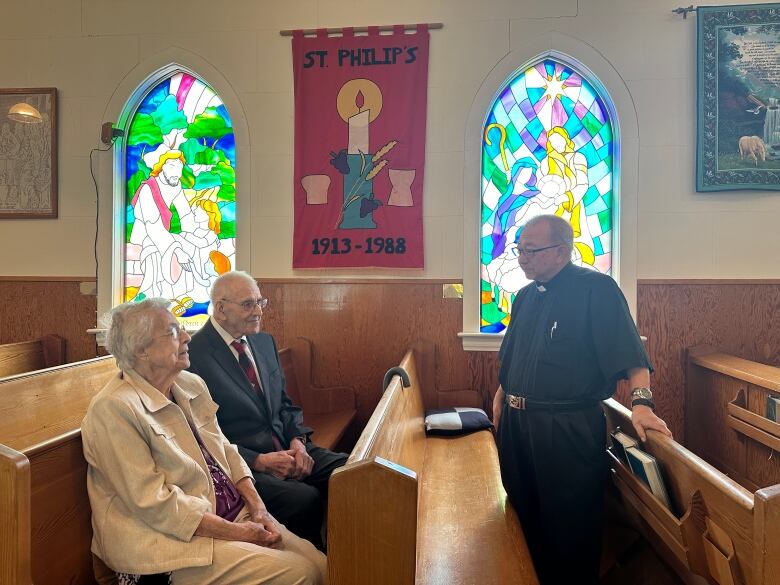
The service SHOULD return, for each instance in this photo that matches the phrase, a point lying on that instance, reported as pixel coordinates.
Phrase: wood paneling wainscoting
(739, 317)
(361, 328)
(31, 307)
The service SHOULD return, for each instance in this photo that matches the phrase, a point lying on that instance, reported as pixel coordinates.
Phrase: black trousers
(553, 469)
(300, 505)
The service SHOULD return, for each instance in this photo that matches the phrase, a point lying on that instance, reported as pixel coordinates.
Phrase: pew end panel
(712, 535)
(14, 517)
(372, 523)
(766, 527)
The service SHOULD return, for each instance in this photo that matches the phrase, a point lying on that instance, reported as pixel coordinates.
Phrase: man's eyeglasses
(531, 252)
(174, 331)
(250, 304)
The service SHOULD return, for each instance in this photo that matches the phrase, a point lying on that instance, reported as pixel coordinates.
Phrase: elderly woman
(169, 493)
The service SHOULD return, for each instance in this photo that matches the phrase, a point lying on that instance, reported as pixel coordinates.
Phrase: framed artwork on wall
(738, 101)
(28, 153)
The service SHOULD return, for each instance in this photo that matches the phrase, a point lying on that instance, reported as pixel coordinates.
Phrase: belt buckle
(517, 402)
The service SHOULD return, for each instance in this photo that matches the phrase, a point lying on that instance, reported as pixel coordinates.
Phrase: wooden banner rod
(359, 29)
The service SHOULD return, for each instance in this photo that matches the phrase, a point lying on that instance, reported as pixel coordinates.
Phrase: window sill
(481, 341)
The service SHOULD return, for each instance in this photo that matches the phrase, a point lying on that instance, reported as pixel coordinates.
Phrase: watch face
(642, 393)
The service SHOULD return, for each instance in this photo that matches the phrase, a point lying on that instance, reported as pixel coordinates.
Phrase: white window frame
(620, 106)
(111, 177)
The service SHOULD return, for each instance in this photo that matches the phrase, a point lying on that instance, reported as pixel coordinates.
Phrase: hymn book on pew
(646, 468)
(620, 442)
(773, 408)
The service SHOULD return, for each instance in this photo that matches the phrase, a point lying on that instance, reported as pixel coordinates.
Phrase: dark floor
(628, 559)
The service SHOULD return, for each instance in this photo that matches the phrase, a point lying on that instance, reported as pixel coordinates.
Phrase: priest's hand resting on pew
(644, 419)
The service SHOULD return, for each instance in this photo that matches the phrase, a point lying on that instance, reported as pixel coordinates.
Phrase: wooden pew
(725, 404)
(719, 532)
(28, 356)
(329, 411)
(45, 518)
(409, 509)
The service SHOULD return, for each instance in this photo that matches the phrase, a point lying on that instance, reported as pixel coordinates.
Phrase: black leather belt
(523, 403)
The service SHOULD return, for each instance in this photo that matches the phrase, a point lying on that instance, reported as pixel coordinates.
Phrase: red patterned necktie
(246, 365)
(251, 374)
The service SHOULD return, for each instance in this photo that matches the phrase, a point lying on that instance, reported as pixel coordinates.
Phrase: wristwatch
(642, 397)
(303, 438)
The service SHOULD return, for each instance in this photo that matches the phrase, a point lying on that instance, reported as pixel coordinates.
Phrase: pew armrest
(15, 531)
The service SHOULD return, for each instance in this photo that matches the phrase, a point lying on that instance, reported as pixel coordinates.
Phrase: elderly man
(240, 364)
(570, 339)
(168, 492)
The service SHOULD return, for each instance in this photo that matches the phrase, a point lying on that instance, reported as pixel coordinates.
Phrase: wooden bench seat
(28, 356)
(718, 531)
(45, 518)
(414, 510)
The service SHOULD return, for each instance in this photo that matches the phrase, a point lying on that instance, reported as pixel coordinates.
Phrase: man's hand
(280, 464)
(303, 461)
(644, 419)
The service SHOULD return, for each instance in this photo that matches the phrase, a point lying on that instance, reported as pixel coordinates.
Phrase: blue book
(646, 468)
(773, 408)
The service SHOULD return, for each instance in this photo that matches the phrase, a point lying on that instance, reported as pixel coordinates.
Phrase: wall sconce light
(25, 113)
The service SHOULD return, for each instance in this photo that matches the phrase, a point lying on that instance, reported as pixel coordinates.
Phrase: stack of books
(642, 464)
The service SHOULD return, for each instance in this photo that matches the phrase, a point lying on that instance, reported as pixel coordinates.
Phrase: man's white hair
(224, 282)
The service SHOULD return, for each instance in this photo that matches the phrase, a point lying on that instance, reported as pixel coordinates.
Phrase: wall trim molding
(706, 281)
(47, 278)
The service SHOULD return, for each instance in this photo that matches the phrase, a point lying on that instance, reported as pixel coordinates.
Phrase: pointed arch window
(547, 147)
(179, 228)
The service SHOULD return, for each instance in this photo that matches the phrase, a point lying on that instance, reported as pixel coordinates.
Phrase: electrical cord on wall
(97, 200)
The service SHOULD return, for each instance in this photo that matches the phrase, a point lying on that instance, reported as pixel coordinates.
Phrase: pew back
(408, 509)
(717, 531)
(328, 410)
(28, 356)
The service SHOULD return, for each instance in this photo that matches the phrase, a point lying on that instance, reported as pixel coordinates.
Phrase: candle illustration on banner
(359, 103)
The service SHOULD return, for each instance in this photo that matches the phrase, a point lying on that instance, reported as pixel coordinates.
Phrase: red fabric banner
(360, 106)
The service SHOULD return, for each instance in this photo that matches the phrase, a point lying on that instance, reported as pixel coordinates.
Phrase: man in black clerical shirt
(571, 337)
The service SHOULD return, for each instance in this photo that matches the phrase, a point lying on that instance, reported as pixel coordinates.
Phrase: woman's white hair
(129, 329)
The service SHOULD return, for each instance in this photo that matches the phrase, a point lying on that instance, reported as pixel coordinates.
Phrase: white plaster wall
(86, 48)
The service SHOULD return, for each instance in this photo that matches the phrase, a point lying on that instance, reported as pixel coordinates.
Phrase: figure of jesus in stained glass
(547, 149)
(180, 196)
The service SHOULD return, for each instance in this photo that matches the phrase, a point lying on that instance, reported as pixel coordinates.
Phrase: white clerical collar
(540, 287)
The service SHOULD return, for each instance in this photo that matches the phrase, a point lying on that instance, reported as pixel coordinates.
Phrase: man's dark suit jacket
(247, 419)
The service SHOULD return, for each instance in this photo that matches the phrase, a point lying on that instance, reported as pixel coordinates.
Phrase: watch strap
(642, 402)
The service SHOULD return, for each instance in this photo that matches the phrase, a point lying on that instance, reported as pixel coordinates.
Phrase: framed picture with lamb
(738, 105)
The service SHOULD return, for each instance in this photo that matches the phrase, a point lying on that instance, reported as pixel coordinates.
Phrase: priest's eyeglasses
(531, 252)
(250, 304)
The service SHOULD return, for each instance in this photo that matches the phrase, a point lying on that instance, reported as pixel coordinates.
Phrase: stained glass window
(180, 200)
(547, 148)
